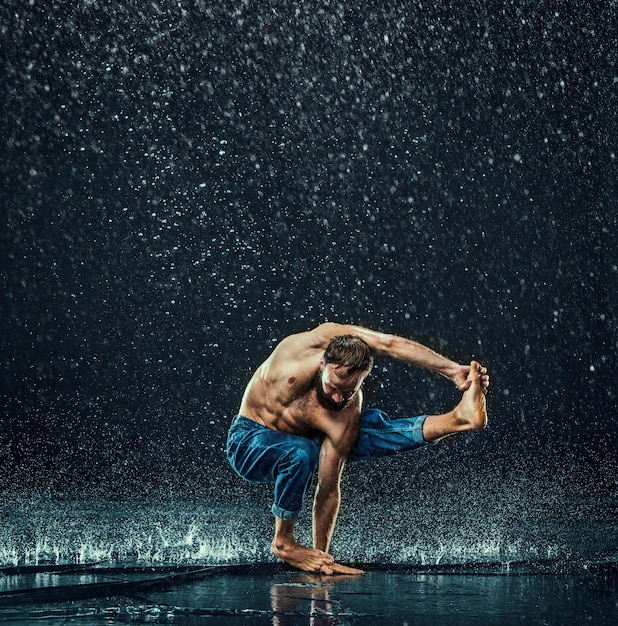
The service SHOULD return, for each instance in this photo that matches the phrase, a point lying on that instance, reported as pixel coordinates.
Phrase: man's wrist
(450, 371)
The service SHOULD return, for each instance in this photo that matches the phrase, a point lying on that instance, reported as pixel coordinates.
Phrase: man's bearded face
(336, 392)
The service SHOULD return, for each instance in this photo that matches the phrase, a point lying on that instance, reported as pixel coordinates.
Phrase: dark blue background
(185, 183)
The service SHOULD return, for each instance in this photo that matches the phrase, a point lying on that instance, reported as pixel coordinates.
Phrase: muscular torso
(281, 395)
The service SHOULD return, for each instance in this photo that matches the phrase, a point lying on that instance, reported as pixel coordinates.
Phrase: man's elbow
(387, 344)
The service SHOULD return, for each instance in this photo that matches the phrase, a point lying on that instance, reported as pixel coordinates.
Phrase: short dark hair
(349, 352)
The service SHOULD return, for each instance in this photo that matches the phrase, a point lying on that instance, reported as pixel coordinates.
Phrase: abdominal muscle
(281, 396)
(291, 409)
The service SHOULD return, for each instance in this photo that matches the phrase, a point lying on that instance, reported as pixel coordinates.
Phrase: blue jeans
(260, 454)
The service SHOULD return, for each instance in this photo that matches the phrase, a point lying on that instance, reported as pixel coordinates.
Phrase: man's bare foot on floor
(310, 559)
(472, 411)
(340, 570)
(301, 557)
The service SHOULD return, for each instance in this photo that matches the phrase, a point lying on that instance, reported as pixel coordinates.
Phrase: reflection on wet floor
(307, 595)
(274, 595)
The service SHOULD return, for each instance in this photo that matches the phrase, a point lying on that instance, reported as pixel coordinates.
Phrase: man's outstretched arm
(399, 348)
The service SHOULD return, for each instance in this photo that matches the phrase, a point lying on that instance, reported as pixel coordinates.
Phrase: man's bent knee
(307, 454)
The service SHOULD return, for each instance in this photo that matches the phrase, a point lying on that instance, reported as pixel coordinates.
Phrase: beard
(323, 399)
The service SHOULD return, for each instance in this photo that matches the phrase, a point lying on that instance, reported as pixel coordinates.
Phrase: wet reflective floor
(271, 594)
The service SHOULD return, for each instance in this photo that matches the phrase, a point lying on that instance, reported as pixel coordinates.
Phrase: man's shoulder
(315, 339)
(295, 352)
(302, 351)
(341, 429)
(296, 356)
(304, 343)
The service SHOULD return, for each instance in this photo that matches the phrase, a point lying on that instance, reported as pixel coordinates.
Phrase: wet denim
(262, 455)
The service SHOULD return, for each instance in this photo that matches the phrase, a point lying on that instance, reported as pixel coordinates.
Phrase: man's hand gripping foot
(472, 411)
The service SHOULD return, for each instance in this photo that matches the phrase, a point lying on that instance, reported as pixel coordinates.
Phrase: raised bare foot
(471, 412)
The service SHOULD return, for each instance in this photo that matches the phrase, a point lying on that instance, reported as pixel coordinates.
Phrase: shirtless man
(302, 411)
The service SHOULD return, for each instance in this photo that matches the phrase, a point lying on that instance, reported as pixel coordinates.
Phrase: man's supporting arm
(326, 505)
(327, 495)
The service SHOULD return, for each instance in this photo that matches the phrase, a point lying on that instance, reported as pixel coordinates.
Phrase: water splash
(54, 532)
(40, 532)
